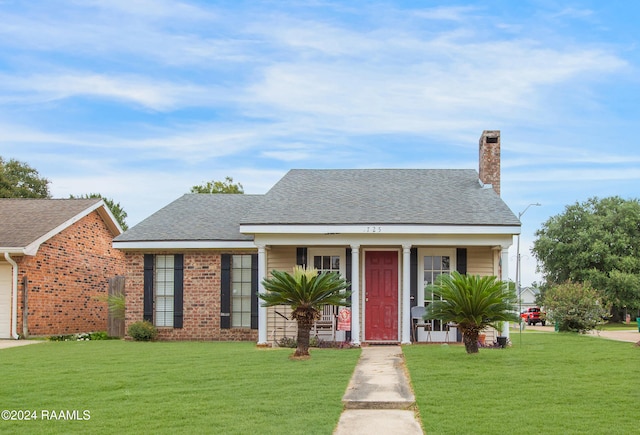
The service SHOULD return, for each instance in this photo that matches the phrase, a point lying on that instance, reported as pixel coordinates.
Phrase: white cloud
(573, 13)
(447, 13)
(496, 79)
(152, 94)
(149, 9)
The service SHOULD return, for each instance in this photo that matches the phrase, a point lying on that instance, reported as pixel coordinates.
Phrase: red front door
(381, 297)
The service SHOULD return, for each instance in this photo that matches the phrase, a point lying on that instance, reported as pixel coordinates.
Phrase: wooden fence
(115, 323)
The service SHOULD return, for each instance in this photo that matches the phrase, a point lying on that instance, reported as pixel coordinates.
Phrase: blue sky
(140, 100)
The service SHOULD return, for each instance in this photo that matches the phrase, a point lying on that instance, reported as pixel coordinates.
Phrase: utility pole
(518, 274)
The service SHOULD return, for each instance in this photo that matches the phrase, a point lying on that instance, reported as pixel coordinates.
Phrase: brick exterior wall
(67, 280)
(201, 298)
(489, 159)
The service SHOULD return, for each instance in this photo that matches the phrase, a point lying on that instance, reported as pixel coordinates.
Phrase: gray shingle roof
(23, 221)
(195, 217)
(326, 197)
(381, 196)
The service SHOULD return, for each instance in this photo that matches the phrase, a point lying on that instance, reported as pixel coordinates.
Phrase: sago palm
(306, 291)
(473, 303)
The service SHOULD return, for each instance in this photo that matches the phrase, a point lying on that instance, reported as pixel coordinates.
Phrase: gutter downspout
(14, 285)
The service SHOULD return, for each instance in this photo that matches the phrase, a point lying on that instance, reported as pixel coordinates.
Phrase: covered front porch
(388, 276)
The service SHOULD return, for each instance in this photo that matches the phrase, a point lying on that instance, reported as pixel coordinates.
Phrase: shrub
(69, 337)
(81, 336)
(142, 331)
(315, 342)
(575, 307)
(287, 342)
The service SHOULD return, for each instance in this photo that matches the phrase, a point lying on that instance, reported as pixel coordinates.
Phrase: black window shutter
(461, 260)
(178, 287)
(413, 277)
(301, 257)
(225, 291)
(148, 288)
(254, 291)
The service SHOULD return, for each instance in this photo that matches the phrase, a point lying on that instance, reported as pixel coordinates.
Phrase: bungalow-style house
(56, 256)
(194, 268)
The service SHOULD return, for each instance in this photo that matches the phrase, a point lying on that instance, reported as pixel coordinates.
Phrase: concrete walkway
(379, 399)
(5, 344)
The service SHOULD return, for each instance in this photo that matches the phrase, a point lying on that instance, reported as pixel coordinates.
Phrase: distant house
(528, 297)
(194, 268)
(56, 256)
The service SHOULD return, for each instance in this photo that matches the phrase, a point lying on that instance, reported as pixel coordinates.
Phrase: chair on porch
(325, 327)
(417, 321)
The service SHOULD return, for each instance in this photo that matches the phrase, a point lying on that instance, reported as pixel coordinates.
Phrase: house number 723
(374, 230)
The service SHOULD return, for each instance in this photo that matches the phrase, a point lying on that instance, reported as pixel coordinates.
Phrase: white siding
(5, 300)
(280, 258)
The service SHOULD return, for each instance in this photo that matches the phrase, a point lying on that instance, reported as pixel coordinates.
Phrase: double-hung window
(163, 289)
(241, 291)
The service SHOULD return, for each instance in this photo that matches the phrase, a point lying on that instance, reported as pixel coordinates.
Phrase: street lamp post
(518, 275)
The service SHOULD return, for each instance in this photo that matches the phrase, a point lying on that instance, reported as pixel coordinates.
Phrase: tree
(473, 303)
(226, 186)
(597, 242)
(575, 307)
(115, 208)
(19, 180)
(306, 291)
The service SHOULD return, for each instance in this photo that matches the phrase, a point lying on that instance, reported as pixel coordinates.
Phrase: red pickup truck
(534, 315)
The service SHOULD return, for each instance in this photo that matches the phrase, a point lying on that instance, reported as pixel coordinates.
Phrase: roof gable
(26, 223)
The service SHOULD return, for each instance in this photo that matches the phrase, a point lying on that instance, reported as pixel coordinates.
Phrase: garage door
(5, 300)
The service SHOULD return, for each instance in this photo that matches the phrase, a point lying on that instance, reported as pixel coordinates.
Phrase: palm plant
(473, 303)
(306, 291)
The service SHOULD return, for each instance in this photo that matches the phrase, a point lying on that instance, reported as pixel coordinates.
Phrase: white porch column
(406, 294)
(262, 311)
(355, 295)
(504, 260)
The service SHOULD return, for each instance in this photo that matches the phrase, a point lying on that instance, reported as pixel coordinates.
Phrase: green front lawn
(174, 387)
(555, 383)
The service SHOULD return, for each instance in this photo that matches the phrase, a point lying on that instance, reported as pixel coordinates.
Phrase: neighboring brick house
(56, 257)
(194, 268)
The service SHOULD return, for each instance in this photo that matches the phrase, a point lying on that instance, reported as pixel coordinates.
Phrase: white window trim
(423, 252)
(165, 297)
(335, 252)
(232, 295)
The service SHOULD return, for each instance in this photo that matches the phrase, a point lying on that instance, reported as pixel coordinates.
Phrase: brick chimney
(490, 159)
